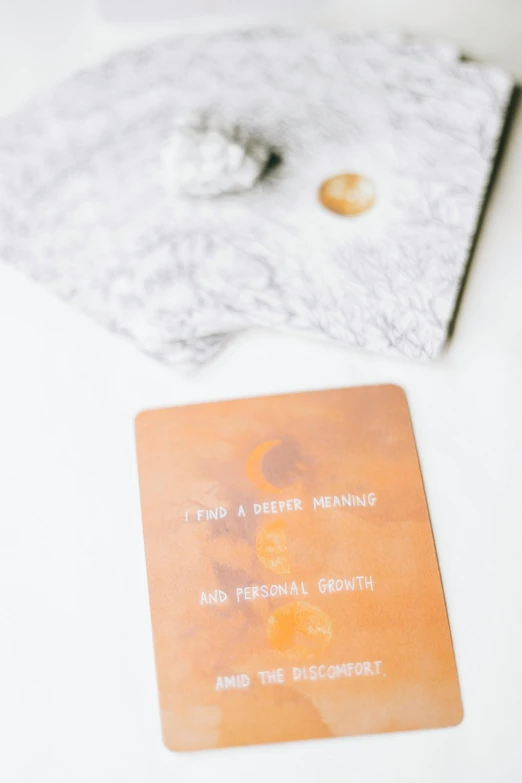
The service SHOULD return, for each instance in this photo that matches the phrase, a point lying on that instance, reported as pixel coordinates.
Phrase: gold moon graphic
(271, 549)
(347, 194)
(254, 466)
(299, 630)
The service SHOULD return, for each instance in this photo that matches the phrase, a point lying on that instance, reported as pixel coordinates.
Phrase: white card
(362, 233)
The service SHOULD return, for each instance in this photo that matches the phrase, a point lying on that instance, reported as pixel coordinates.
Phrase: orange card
(293, 579)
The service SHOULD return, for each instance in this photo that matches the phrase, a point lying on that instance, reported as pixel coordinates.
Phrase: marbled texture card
(383, 147)
(293, 578)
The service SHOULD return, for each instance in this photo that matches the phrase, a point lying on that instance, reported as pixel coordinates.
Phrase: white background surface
(77, 687)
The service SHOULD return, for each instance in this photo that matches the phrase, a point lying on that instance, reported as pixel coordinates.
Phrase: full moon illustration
(347, 194)
(271, 548)
(299, 630)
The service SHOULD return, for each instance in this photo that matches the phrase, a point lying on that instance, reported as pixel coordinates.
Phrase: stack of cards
(360, 231)
(293, 580)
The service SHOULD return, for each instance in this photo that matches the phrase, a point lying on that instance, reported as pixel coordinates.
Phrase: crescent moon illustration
(254, 466)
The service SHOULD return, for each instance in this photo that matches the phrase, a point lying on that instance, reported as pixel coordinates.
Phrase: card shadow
(511, 113)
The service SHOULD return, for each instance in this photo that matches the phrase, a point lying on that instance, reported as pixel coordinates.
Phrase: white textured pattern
(84, 207)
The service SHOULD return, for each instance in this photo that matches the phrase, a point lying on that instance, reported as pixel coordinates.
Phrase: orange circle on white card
(271, 548)
(347, 194)
(299, 630)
